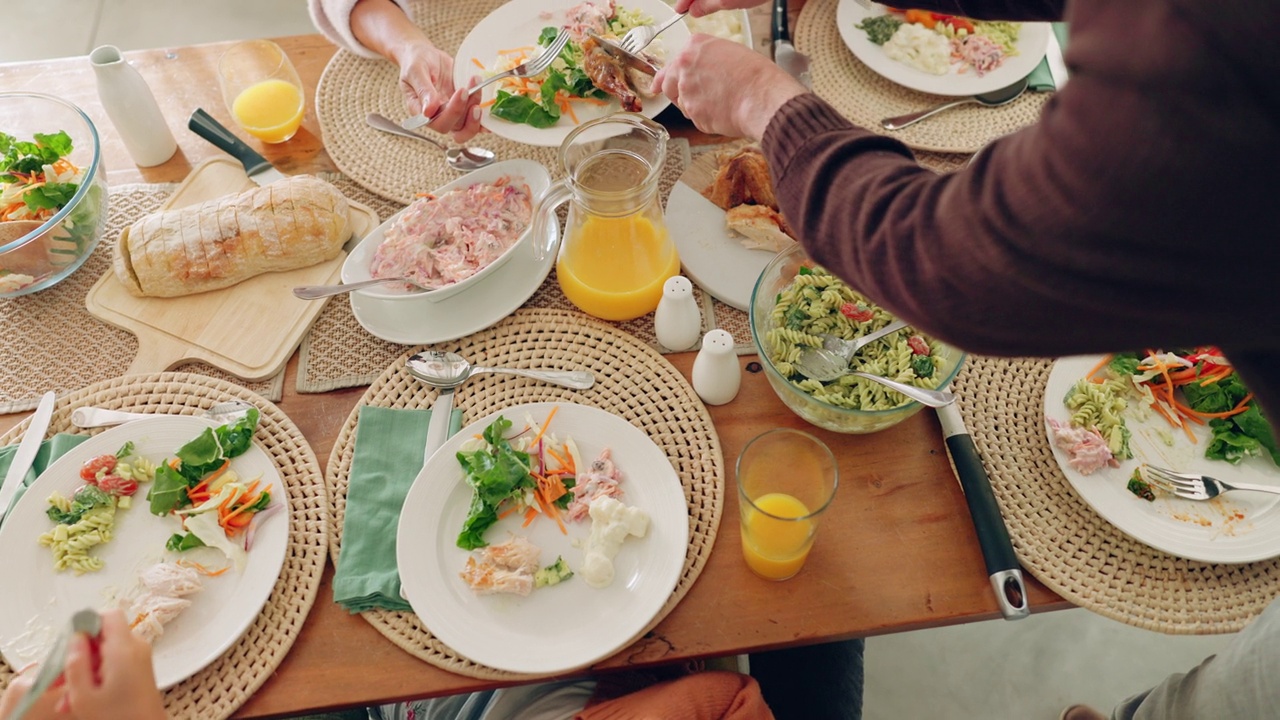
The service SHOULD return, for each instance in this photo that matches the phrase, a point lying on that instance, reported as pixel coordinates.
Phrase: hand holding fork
(528, 68)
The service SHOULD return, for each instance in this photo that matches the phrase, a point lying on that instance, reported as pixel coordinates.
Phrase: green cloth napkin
(1040, 80)
(50, 450)
(388, 456)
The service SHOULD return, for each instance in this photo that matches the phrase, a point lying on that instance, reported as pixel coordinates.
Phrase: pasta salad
(816, 303)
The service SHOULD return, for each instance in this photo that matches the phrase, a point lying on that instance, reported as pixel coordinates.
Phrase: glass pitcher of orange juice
(616, 253)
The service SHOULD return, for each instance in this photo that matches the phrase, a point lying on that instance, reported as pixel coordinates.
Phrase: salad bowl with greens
(53, 191)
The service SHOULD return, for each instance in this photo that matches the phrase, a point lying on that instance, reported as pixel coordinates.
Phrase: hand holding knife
(997, 550)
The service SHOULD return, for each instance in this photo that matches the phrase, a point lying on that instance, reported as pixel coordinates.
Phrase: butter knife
(629, 59)
(796, 64)
(26, 453)
(1057, 65)
(1003, 570)
(87, 622)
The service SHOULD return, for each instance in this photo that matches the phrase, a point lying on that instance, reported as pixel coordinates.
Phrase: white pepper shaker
(677, 322)
(132, 108)
(716, 374)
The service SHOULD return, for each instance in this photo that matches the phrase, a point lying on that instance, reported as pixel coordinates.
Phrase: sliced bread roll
(288, 224)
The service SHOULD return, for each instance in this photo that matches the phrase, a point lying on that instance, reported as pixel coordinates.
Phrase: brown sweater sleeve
(1134, 214)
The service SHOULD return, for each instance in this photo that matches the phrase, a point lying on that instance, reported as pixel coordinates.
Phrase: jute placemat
(1070, 548)
(339, 353)
(51, 342)
(632, 381)
(220, 689)
(865, 97)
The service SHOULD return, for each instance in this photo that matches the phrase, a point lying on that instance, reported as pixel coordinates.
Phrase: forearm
(381, 26)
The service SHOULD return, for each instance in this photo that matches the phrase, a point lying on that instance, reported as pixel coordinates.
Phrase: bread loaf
(288, 224)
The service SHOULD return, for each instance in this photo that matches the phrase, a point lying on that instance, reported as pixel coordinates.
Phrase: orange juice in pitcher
(617, 253)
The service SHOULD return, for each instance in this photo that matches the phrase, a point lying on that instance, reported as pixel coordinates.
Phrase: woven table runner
(221, 688)
(51, 342)
(338, 352)
(865, 97)
(632, 381)
(1066, 545)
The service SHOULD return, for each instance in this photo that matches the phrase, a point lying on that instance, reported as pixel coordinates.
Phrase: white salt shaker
(677, 322)
(716, 374)
(132, 108)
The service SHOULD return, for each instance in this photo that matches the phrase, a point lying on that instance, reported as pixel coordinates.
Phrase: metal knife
(997, 550)
(26, 453)
(1057, 65)
(784, 53)
(87, 622)
(629, 59)
(259, 170)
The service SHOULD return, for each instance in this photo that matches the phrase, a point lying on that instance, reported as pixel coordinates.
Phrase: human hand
(426, 79)
(46, 707)
(698, 8)
(114, 680)
(726, 88)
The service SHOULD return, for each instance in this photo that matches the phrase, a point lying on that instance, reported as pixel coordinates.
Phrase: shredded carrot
(566, 465)
(565, 107)
(202, 569)
(523, 49)
(489, 102)
(529, 515)
(138, 620)
(545, 424)
(478, 63)
(506, 512)
(1101, 364)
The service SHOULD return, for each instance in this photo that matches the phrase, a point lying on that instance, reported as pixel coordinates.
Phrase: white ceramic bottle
(132, 108)
(716, 374)
(677, 322)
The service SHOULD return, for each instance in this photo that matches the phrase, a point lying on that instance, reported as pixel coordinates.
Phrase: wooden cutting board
(249, 329)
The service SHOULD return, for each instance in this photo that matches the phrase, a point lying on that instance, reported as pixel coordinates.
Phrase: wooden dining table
(896, 551)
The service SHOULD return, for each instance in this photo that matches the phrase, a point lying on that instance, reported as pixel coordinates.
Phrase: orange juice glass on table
(262, 90)
(786, 479)
(617, 253)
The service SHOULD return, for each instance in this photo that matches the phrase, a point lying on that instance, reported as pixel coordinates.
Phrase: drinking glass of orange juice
(786, 479)
(262, 90)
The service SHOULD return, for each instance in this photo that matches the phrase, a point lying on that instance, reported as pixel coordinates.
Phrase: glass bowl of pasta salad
(53, 191)
(794, 303)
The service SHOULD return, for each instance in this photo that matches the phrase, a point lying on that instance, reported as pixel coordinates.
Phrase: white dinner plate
(1239, 527)
(712, 255)
(1032, 41)
(36, 602)
(518, 24)
(561, 627)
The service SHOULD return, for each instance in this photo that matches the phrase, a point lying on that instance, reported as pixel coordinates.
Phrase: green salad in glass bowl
(53, 191)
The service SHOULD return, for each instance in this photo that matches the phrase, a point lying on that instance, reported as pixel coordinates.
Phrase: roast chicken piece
(608, 74)
(743, 179)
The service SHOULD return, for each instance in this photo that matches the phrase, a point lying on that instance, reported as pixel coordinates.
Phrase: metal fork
(528, 68)
(639, 37)
(830, 361)
(1196, 487)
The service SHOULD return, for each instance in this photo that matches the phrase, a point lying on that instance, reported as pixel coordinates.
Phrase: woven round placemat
(632, 381)
(1070, 548)
(865, 97)
(52, 342)
(221, 688)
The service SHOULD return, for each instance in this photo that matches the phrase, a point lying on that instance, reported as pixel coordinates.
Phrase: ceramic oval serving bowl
(357, 266)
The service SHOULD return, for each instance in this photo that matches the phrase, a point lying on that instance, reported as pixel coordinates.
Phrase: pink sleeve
(333, 19)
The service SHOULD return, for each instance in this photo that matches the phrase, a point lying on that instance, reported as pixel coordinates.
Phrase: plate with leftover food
(584, 83)
(1184, 410)
(725, 222)
(84, 536)
(538, 512)
(938, 53)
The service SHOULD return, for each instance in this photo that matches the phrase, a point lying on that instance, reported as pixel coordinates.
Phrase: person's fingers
(79, 669)
(471, 126)
(683, 6)
(14, 694)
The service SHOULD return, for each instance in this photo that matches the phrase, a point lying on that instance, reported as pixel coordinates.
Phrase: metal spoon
(447, 370)
(924, 396)
(995, 98)
(315, 292)
(464, 159)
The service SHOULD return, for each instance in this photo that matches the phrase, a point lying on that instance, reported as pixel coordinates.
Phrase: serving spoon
(995, 98)
(315, 292)
(447, 370)
(463, 159)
